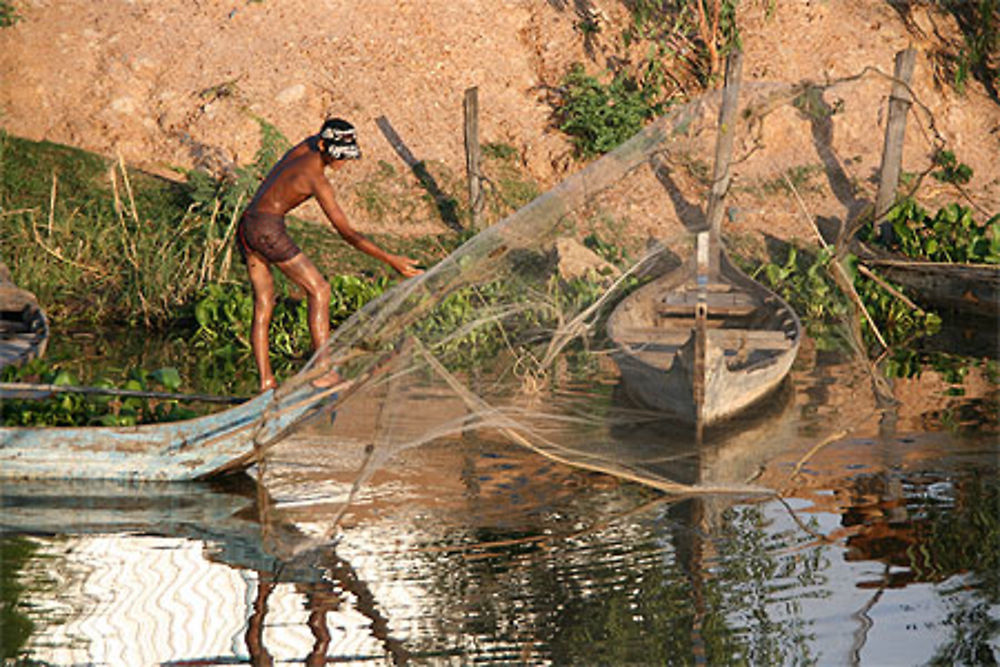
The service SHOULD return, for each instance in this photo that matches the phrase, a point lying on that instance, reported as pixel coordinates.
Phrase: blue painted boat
(193, 449)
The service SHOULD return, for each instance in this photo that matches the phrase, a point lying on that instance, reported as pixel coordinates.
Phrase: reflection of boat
(222, 555)
(172, 451)
(24, 329)
(699, 349)
(729, 455)
(201, 510)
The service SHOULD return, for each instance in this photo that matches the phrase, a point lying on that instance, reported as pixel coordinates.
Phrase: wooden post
(723, 156)
(895, 131)
(472, 154)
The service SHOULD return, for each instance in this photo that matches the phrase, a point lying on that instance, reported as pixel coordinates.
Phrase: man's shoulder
(309, 162)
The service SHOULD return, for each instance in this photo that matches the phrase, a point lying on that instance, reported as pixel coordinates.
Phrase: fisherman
(263, 239)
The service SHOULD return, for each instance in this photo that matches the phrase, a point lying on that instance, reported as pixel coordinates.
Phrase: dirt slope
(170, 82)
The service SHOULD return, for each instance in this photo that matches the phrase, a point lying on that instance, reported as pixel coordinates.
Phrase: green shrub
(600, 117)
(950, 235)
(223, 313)
(8, 14)
(75, 409)
(803, 279)
(950, 169)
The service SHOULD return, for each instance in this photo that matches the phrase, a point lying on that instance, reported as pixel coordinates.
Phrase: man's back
(291, 181)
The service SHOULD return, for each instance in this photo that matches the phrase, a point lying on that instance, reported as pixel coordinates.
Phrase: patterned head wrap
(339, 140)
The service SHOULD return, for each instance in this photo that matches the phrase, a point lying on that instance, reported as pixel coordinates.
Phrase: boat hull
(974, 290)
(968, 289)
(175, 451)
(727, 393)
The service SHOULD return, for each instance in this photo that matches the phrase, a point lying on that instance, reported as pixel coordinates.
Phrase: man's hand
(406, 266)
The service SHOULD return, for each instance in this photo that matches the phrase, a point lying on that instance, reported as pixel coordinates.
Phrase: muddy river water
(839, 534)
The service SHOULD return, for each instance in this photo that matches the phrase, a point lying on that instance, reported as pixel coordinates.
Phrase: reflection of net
(494, 339)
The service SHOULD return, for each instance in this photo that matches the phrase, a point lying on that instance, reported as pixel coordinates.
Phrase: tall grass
(96, 240)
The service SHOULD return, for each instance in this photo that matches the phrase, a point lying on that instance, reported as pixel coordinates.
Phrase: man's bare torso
(291, 181)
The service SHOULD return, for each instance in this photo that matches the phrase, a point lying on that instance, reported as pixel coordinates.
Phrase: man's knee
(322, 291)
(264, 302)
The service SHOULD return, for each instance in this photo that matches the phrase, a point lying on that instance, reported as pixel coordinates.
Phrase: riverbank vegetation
(99, 242)
(103, 244)
(75, 409)
(952, 234)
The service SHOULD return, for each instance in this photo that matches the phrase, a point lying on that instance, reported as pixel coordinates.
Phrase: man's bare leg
(304, 273)
(263, 308)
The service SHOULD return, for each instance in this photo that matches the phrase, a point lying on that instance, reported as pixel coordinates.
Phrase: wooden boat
(24, 329)
(174, 451)
(703, 348)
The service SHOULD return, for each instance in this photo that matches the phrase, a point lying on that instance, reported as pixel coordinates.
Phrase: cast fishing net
(503, 340)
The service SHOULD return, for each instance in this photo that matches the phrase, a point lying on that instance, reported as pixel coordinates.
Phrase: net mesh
(502, 340)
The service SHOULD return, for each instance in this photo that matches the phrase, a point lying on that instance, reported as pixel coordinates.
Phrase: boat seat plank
(728, 338)
(726, 304)
(14, 327)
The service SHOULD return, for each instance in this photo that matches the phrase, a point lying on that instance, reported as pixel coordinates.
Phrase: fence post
(895, 132)
(723, 156)
(472, 154)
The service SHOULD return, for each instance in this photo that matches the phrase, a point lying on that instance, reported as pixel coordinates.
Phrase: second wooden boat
(969, 289)
(704, 342)
(24, 329)
(703, 347)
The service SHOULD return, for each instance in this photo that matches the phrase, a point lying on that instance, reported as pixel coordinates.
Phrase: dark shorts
(266, 235)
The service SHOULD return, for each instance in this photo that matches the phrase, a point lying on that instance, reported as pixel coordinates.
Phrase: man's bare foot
(269, 383)
(328, 379)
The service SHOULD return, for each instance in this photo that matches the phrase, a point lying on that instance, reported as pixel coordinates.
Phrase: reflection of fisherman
(322, 597)
(263, 239)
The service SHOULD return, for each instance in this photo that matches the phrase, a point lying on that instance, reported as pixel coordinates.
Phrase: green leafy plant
(8, 14)
(76, 409)
(588, 26)
(950, 235)
(223, 314)
(609, 252)
(951, 170)
(803, 279)
(479, 326)
(600, 117)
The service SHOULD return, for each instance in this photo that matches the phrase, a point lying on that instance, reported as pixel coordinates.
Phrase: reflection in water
(611, 574)
(470, 549)
(157, 573)
(324, 599)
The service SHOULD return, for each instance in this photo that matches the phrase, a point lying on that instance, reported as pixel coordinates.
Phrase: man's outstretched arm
(406, 266)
